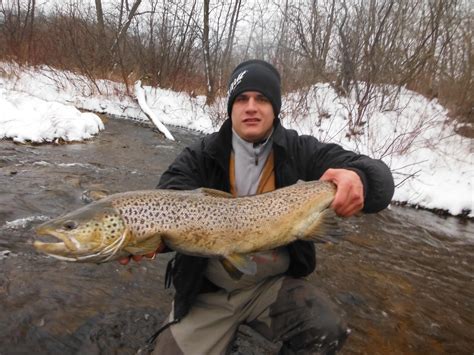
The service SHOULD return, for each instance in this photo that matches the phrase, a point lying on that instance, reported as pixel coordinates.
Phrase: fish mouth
(51, 243)
(64, 249)
(70, 249)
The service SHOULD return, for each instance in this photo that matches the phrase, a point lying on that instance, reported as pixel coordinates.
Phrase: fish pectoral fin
(213, 193)
(148, 245)
(326, 229)
(237, 265)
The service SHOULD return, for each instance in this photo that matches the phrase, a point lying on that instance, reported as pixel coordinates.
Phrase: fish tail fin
(327, 228)
(237, 265)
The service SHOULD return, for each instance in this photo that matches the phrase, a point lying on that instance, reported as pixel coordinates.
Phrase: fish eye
(70, 225)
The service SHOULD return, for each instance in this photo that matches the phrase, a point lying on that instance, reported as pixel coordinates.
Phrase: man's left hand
(349, 197)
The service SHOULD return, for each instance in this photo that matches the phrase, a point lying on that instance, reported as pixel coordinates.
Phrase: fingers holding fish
(349, 198)
(137, 258)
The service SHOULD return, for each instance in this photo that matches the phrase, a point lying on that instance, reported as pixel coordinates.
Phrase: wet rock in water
(249, 342)
(73, 180)
(351, 298)
(121, 332)
(4, 254)
(93, 195)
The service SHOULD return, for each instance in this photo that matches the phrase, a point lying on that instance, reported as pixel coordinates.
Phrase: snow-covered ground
(432, 165)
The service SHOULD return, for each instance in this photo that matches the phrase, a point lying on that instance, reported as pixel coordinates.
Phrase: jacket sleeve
(375, 174)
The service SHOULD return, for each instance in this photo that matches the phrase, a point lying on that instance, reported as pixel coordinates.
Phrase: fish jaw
(56, 250)
(72, 251)
(66, 248)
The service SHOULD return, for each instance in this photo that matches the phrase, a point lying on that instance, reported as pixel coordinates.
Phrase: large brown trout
(200, 222)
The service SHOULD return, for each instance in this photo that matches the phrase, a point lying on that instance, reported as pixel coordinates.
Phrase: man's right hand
(138, 258)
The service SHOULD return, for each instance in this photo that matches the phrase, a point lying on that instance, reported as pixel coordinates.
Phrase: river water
(403, 277)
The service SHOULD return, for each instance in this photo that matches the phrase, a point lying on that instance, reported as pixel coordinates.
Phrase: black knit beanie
(255, 75)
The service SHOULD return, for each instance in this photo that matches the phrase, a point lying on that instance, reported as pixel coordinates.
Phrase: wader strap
(148, 347)
(169, 273)
(152, 339)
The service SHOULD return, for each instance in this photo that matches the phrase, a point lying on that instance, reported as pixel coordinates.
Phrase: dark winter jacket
(206, 164)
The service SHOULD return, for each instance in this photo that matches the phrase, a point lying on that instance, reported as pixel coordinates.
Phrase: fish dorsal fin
(238, 264)
(213, 193)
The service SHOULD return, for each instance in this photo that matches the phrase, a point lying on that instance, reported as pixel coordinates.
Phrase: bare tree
(18, 27)
(168, 50)
(32, 7)
(100, 18)
(210, 89)
(124, 28)
(217, 46)
(313, 25)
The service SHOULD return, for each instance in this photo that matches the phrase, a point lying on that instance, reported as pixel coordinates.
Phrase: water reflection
(404, 276)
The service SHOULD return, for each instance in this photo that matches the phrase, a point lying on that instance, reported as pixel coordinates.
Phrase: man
(252, 153)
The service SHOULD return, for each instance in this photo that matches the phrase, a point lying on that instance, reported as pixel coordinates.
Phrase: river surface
(403, 277)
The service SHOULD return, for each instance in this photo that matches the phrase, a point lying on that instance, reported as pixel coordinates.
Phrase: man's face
(252, 116)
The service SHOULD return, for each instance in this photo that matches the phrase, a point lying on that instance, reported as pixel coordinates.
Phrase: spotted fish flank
(201, 222)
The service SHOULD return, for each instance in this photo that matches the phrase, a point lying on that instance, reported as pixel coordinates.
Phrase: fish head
(94, 233)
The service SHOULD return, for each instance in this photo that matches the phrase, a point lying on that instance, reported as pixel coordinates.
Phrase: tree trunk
(210, 91)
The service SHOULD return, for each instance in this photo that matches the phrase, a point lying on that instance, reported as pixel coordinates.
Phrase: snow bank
(27, 118)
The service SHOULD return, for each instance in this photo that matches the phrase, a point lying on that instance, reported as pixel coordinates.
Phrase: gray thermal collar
(249, 159)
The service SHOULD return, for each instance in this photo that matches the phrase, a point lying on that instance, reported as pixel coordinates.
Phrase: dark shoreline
(463, 216)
